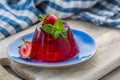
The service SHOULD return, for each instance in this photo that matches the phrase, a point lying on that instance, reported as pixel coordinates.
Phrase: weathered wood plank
(4, 75)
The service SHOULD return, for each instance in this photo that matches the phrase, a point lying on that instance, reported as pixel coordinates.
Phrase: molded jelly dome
(53, 50)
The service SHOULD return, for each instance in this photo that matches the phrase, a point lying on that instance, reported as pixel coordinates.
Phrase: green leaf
(24, 40)
(63, 36)
(47, 28)
(19, 46)
(57, 30)
(58, 24)
(42, 17)
(56, 34)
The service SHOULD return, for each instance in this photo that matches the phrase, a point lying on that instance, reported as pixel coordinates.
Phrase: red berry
(25, 50)
(50, 19)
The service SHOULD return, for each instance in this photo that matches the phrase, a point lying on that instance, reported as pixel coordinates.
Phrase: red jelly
(53, 50)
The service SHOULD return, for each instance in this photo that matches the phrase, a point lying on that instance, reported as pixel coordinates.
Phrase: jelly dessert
(52, 41)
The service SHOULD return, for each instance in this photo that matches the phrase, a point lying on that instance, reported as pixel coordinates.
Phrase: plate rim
(53, 65)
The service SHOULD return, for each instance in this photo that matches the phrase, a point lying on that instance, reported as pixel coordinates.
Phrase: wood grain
(4, 75)
(105, 60)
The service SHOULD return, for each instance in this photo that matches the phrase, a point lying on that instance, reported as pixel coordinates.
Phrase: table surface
(99, 66)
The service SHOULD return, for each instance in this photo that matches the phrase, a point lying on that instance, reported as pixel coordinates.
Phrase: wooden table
(103, 62)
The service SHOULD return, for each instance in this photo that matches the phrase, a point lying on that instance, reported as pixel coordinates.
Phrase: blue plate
(85, 43)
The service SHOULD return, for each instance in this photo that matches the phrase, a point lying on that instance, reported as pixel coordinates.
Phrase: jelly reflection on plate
(85, 43)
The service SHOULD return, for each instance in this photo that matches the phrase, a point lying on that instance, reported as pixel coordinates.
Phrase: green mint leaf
(63, 35)
(56, 34)
(59, 27)
(57, 30)
(47, 28)
(58, 24)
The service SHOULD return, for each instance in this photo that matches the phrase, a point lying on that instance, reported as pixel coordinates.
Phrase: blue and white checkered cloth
(16, 15)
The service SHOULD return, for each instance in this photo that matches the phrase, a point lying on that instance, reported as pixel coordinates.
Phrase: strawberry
(50, 19)
(25, 49)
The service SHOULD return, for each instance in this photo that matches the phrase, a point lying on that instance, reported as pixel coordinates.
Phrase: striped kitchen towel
(16, 15)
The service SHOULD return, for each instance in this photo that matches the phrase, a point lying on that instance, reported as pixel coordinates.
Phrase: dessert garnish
(53, 26)
(25, 49)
